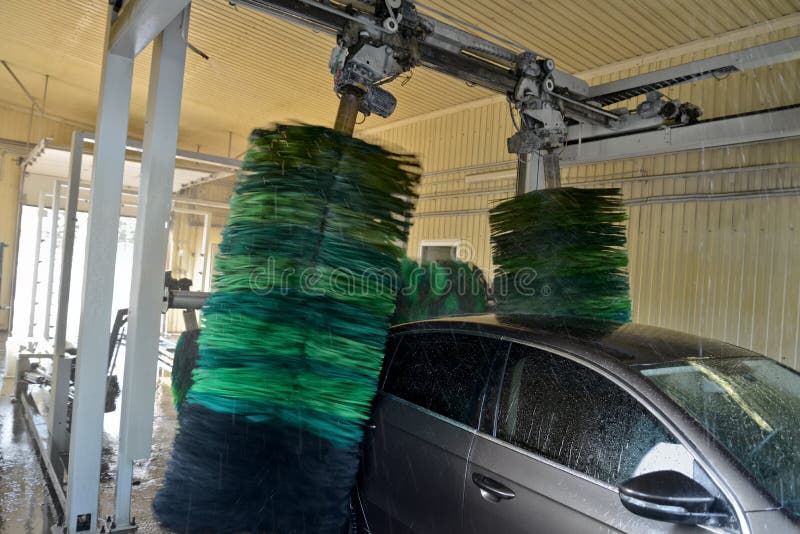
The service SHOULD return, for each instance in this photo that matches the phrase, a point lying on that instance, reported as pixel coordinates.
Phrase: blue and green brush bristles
(293, 337)
(561, 253)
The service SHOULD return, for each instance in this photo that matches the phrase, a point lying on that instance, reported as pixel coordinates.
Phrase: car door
(554, 446)
(412, 478)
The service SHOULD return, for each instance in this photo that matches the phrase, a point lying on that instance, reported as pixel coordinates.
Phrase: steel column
(204, 279)
(51, 261)
(59, 389)
(86, 434)
(535, 172)
(149, 256)
(36, 256)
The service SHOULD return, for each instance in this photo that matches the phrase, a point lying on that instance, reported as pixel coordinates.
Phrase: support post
(149, 256)
(51, 260)
(36, 259)
(59, 389)
(204, 278)
(346, 116)
(86, 434)
(536, 172)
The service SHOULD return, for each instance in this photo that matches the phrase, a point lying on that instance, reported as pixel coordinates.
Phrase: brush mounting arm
(379, 40)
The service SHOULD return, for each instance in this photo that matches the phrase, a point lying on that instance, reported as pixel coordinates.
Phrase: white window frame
(441, 243)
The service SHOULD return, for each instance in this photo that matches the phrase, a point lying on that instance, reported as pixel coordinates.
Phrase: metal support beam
(70, 219)
(751, 128)
(139, 22)
(59, 387)
(205, 275)
(538, 171)
(149, 256)
(86, 434)
(55, 209)
(721, 65)
(36, 260)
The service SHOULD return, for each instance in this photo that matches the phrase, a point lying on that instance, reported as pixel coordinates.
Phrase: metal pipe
(204, 251)
(187, 300)
(21, 86)
(661, 199)
(204, 203)
(348, 111)
(44, 105)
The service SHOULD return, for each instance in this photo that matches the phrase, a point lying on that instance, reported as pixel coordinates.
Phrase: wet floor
(25, 504)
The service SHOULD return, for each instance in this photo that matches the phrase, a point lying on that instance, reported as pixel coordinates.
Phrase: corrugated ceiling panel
(263, 70)
(583, 34)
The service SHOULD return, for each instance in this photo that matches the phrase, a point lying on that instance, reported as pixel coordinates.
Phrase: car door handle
(492, 490)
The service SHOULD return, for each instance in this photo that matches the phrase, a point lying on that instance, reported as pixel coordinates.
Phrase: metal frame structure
(128, 32)
(57, 442)
(380, 39)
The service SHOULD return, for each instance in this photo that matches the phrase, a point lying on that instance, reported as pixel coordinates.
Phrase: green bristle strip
(573, 242)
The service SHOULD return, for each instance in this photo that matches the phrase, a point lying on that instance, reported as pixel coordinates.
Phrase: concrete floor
(25, 504)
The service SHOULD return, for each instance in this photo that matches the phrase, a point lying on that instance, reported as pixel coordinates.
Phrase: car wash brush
(561, 252)
(292, 337)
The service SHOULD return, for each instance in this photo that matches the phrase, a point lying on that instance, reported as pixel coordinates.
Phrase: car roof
(629, 344)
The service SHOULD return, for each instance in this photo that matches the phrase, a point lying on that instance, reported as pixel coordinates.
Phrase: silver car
(512, 425)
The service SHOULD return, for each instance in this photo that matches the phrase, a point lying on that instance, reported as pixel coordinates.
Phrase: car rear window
(441, 372)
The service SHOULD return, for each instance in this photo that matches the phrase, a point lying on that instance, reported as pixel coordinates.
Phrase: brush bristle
(293, 336)
(561, 252)
(184, 360)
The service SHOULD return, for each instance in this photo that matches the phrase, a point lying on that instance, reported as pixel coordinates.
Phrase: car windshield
(752, 407)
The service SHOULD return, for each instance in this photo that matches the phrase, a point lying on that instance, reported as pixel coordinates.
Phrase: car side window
(572, 415)
(442, 372)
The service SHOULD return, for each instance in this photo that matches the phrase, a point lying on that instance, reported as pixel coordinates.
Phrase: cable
(511, 112)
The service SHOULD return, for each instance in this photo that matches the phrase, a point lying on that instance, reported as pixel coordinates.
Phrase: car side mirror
(668, 496)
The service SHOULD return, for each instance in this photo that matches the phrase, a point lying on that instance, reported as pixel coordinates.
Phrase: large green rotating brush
(561, 252)
(293, 336)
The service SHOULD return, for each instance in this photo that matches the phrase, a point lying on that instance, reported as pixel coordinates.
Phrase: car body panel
(771, 522)
(414, 474)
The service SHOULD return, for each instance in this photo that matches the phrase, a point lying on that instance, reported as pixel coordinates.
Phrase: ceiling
(262, 70)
